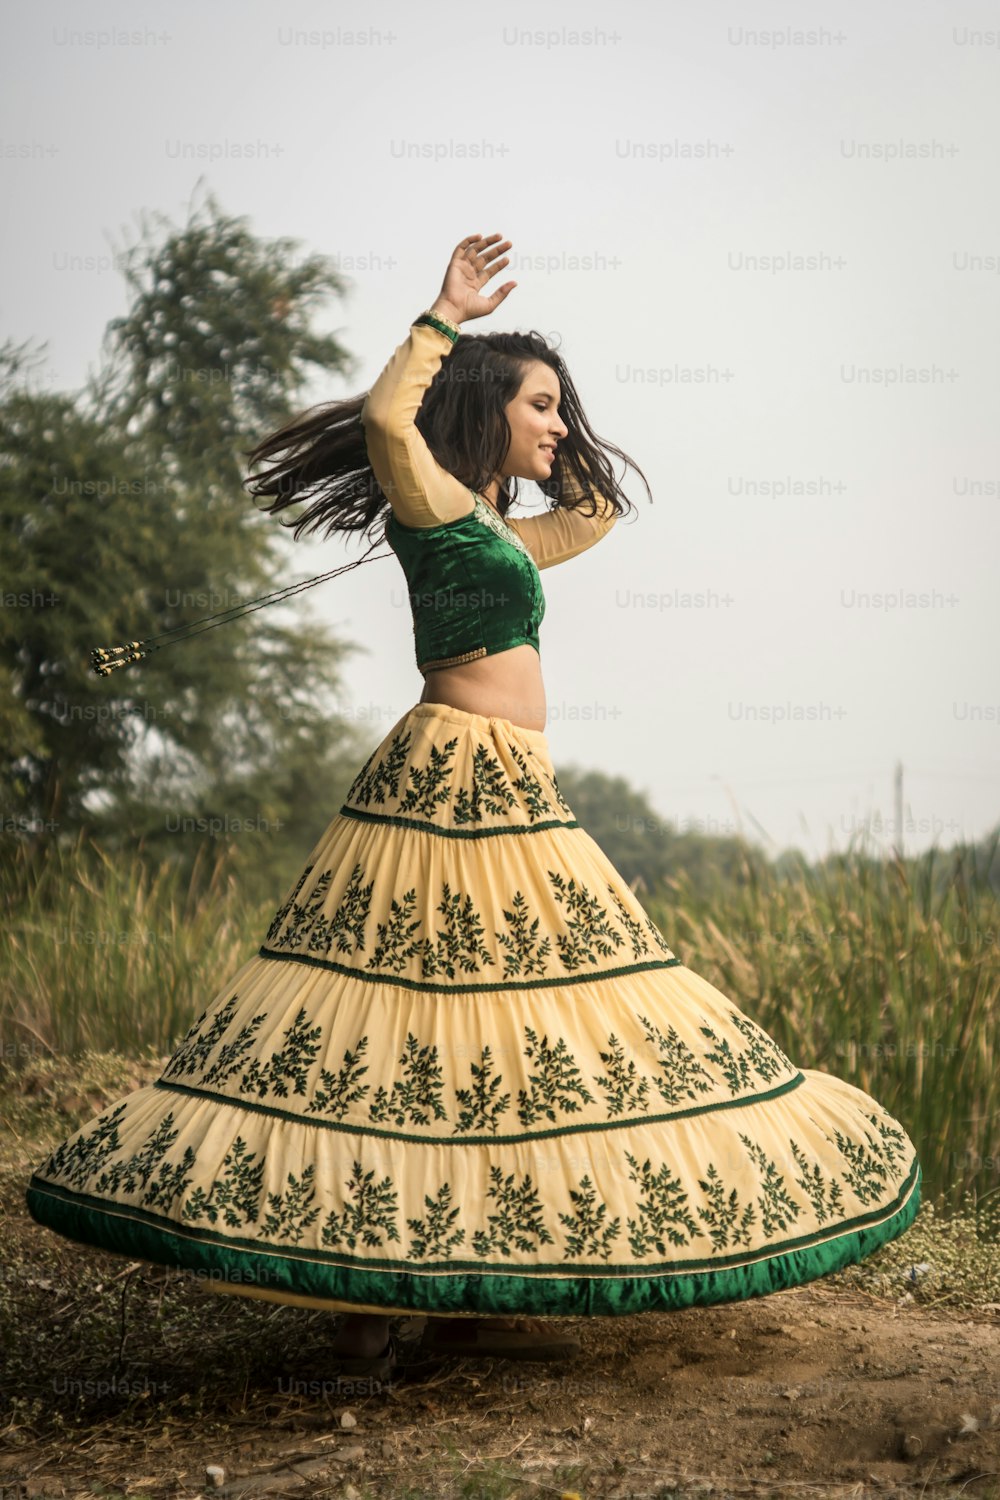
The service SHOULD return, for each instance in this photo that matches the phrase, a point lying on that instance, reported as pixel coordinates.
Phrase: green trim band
(395, 821)
(480, 988)
(255, 1107)
(576, 1291)
(434, 322)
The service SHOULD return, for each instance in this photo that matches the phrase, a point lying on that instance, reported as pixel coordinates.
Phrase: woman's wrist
(442, 322)
(445, 310)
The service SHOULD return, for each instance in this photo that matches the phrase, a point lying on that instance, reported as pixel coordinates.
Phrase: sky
(765, 239)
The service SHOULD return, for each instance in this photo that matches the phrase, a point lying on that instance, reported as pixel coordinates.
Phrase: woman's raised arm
(419, 490)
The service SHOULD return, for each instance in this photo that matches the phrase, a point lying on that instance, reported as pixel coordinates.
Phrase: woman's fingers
(478, 244)
(495, 250)
(480, 257)
(497, 297)
(489, 271)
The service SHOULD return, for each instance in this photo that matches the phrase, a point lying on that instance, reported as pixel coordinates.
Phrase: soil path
(813, 1388)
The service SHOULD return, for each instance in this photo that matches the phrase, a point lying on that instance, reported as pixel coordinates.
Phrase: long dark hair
(321, 454)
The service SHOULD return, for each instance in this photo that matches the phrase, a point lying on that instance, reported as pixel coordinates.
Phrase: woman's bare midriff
(507, 685)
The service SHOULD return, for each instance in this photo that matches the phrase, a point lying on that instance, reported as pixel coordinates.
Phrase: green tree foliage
(122, 515)
(640, 842)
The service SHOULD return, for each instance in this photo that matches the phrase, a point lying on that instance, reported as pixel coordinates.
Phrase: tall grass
(885, 973)
(107, 953)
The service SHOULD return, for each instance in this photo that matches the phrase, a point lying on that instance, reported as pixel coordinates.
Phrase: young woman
(465, 1076)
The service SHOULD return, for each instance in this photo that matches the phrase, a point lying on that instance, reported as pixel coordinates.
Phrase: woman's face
(535, 424)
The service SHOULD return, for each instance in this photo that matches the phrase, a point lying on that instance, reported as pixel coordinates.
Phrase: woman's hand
(469, 269)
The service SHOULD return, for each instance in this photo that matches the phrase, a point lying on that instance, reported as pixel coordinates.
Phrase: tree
(641, 842)
(122, 514)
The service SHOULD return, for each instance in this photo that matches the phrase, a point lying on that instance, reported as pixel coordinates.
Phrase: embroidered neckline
(492, 518)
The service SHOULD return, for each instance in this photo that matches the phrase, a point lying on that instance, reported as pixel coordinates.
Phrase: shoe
(473, 1336)
(377, 1366)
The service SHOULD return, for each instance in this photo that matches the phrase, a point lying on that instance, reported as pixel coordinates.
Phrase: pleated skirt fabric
(465, 1074)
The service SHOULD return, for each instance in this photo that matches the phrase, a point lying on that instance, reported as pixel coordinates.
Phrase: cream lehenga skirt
(465, 1074)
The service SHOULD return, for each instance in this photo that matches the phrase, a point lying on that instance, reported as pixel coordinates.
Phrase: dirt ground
(120, 1378)
(813, 1387)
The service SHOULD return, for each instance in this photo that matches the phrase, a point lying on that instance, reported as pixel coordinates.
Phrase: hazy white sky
(812, 596)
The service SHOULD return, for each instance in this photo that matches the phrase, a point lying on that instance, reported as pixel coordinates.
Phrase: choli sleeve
(557, 535)
(419, 490)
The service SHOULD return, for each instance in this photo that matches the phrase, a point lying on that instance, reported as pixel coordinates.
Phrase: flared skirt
(465, 1074)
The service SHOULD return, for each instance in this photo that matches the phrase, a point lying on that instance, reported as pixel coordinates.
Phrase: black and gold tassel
(101, 657)
(106, 659)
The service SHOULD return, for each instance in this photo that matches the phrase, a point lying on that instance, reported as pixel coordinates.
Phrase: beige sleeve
(558, 534)
(419, 490)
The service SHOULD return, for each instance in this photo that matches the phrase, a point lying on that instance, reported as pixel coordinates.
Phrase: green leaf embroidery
(589, 1233)
(74, 1161)
(661, 1209)
(518, 1221)
(588, 923)
(371, 1214)
(554, 1083)
(236, 1194)
(382, 783)
(826, 1198)
(417, 1095)
(395, 945)
(481, 1108)
(490, 791)
(460, 946)
(624, 1087)
(287, 1067)
(430, 787)
(525, 955)
(435, 1235)
(336, 1092)
(290, 1212)
(778, 1208)
(727, 1225)
(682, 1075)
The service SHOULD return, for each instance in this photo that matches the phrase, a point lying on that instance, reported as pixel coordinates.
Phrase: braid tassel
(104, 660)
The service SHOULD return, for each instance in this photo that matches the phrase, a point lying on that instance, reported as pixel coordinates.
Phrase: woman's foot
(361, 1334)
(510, 1338)
(364, 1347)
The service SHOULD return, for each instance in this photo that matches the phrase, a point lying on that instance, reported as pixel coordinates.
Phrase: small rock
(350, 1493)
(348, 1455)
(348, 1419)
(792, 1392)
(969, 1424)
(215, 1476)
(911, 1445)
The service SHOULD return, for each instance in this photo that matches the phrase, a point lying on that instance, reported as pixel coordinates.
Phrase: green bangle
(443, 325)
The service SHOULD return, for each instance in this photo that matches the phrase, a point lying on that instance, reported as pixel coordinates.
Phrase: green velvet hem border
(578, 1291)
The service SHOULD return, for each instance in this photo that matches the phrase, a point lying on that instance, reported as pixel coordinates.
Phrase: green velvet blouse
(474, 587)
(473, 576)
